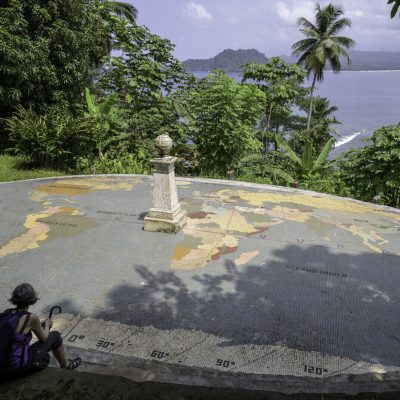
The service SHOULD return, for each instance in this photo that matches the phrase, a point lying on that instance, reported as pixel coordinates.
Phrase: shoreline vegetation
(87, 108)
(232, 60)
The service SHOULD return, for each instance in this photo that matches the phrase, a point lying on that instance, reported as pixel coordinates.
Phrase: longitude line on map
(216, 245)
(230, 220)
(189, 348)
(341, 370)
(253, 361)
(66, 334)
(204, 230)
(122, 342)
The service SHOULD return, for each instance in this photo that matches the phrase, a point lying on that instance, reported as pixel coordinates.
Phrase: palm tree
(123, 9)
(322, 45)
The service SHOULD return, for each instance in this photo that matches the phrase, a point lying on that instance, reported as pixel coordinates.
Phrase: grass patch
(16, 169)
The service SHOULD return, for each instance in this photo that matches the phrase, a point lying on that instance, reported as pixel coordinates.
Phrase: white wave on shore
(348, 139)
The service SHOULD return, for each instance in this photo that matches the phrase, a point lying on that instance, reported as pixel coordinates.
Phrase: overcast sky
(203, 28)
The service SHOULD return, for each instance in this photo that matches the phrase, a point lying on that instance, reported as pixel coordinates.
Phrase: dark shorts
(53, 342)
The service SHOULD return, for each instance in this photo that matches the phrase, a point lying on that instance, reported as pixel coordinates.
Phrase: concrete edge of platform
(139, 370)
(214, 181)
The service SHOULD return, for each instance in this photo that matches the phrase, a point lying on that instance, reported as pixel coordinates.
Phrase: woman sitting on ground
(19, 356)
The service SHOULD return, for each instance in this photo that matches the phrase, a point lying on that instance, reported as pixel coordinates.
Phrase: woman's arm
(42, 333)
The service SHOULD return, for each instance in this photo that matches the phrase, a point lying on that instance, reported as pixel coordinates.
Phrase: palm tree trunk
(267, 129)
(311, 102)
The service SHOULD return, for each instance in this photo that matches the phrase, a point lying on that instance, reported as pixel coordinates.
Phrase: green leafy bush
(52, 140)
(374, 170)
(112, 163)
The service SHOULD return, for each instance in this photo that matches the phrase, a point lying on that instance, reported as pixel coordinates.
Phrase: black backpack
(8, 326)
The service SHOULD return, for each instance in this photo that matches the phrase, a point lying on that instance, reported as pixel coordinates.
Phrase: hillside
(231, 60)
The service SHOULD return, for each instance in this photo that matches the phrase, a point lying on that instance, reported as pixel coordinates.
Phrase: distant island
(231, 60)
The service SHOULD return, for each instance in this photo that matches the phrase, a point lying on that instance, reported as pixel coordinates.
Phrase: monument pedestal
(166, 215)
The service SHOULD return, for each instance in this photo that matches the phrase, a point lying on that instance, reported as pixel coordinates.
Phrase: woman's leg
(54, 344)
(59, 354)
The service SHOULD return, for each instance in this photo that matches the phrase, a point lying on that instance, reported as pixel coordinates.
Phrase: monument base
(158, 221)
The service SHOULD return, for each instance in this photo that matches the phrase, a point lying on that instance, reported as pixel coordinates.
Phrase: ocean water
(366, 101)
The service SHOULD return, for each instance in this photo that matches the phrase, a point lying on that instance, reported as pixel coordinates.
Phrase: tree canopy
(47, 52)
(224, 115)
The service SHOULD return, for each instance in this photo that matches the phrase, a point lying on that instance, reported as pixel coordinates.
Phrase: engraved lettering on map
(158, 354)
(295, 268)
(224, 363)
(314, 370)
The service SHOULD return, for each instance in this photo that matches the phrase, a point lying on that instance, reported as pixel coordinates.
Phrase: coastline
(342, 71)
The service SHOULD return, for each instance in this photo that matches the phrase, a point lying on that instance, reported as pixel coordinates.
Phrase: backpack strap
(28, 317)
(25, 342)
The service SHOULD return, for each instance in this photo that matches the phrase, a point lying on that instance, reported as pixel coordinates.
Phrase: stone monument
(166, 215)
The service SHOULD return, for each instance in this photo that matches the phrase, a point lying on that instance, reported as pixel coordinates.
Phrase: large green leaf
(308, 156)
(290, 153)
(113, 139)
(323, 156)
(90, 102)
(278, 172)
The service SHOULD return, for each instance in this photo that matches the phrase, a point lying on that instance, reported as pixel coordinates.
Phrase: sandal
(74, 363)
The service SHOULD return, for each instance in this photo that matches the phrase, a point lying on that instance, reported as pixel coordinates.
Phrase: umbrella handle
(53, 309)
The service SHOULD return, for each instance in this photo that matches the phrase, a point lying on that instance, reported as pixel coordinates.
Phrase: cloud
(355, 13)
(197, 12)
(290, 13)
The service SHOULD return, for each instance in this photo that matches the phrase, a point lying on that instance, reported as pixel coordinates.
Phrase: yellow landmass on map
(81, 186)
(215, 228)
(37, 230)
(370, 238)
(258, 199)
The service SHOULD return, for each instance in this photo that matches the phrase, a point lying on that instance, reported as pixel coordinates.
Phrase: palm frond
(303, 45)
(338, 26)
(306, 24)
(395, 7)
(123, 9)
(344, 41)
(345, 54)
(335, 64)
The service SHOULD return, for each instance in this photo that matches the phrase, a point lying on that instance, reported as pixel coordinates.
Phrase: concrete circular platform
(263, 280)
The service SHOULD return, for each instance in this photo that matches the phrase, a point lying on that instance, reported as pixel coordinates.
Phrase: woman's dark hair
(23, 296)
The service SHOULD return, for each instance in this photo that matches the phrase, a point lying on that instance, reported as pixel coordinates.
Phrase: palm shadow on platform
(304, 298)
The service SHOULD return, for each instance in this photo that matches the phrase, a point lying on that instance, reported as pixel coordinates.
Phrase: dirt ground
(53, 384)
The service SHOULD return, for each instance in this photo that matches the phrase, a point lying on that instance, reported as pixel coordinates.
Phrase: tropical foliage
(281, 82)
(47, 51)
(306, 167)
(52, 140)
(224, 114)
(84, 89)
(374, 170)
(123, 9)
(107, 121)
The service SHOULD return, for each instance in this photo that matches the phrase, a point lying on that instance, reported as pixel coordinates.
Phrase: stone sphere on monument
(164, 145)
